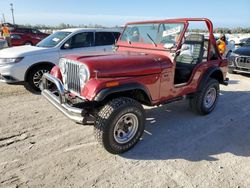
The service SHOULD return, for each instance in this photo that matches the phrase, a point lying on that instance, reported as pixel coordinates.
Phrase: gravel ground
(39, 147)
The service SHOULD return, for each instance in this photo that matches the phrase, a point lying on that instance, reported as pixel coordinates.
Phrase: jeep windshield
(153, 33)
(53, 39)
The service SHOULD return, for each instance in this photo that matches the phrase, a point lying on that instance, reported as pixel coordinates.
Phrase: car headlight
(62, 65)
(10, 60)
(83, 74)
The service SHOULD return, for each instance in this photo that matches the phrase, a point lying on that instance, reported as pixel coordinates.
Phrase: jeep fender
(122, 89)
(212, 72)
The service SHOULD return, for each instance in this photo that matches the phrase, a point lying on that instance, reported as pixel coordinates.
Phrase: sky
(223, 13)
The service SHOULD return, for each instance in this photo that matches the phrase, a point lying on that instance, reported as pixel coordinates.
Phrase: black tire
(28, 43)
(119, 110)
(230, 70)
(200, 101)
(34, 78)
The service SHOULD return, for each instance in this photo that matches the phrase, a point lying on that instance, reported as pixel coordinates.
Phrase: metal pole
(12, 11)
(3, 18)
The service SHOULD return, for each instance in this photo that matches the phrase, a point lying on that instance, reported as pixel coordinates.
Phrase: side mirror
(66, 46)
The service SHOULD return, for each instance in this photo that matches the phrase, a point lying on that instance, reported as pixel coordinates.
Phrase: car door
(104, 41)
(79, 43)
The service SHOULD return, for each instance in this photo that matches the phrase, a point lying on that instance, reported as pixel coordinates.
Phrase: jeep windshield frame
(152, 35)
(125, 43)
(160, 33)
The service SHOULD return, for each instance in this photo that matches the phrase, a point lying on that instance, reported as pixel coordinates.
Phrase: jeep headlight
(83, 74)
(62, 65)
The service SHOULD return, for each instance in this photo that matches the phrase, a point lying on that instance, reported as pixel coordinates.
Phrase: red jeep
(154, 62)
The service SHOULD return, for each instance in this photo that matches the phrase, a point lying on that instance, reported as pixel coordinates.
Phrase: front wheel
(205, 100)
(35, 76)
(119, 124)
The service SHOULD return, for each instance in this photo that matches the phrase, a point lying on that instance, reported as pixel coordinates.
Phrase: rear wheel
(34, 77)
(205, 100)
(119, 124)
(28, 43)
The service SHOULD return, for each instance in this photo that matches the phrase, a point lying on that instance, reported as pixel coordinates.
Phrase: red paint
(55, 71)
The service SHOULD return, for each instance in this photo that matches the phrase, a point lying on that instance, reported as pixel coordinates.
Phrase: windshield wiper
(151, 40)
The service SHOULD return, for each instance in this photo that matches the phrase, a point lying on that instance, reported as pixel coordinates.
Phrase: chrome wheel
(210, 97)
(37, 77)
(126, 128)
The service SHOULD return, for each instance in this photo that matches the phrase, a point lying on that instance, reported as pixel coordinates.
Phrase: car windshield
(153, 33)
(247, 43)
(53, 39)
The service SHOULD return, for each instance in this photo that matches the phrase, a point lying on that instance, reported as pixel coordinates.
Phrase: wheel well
(136, 94)
(217, 75)
(37, 65)
(29, 42)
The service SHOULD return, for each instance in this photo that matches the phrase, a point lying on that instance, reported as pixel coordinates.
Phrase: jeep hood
(21, 51)
(123, 64)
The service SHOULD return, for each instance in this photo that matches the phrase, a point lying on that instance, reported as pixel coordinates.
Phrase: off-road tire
(109, 115)
(30, 85)
(197, 101)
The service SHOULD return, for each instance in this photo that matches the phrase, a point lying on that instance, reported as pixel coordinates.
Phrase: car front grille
(243, 62)
(72, 82)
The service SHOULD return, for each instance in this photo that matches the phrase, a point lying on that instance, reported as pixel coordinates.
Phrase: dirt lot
(39, 147)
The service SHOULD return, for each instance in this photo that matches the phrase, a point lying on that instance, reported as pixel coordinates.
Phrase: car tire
(119, 124)
(34, 77)
(28, 43)
(204, 101)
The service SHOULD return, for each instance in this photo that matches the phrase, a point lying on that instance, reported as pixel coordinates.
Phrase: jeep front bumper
(59, 100)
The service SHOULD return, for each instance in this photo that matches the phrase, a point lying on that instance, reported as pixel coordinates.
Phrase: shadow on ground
(175, 132)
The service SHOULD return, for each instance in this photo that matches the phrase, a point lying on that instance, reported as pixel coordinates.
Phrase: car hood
(123, 64)
(243, 51)
(21, 51)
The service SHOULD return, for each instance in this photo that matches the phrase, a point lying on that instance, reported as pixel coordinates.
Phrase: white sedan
(26, 64)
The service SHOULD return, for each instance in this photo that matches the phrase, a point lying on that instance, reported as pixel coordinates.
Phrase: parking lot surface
(40, 147)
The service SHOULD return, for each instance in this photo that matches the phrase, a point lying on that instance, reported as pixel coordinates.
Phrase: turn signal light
(112, 84)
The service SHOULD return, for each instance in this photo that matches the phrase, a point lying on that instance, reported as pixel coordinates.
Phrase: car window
(80, 40)
(247, 43)
(15, 36)
(53, 39)
(104, 38)
(22, 30)
(35, 31)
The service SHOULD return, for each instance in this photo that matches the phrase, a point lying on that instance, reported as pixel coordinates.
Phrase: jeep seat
(185, 62)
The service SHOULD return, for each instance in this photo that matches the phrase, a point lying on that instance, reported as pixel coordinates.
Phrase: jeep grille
(72, 82)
